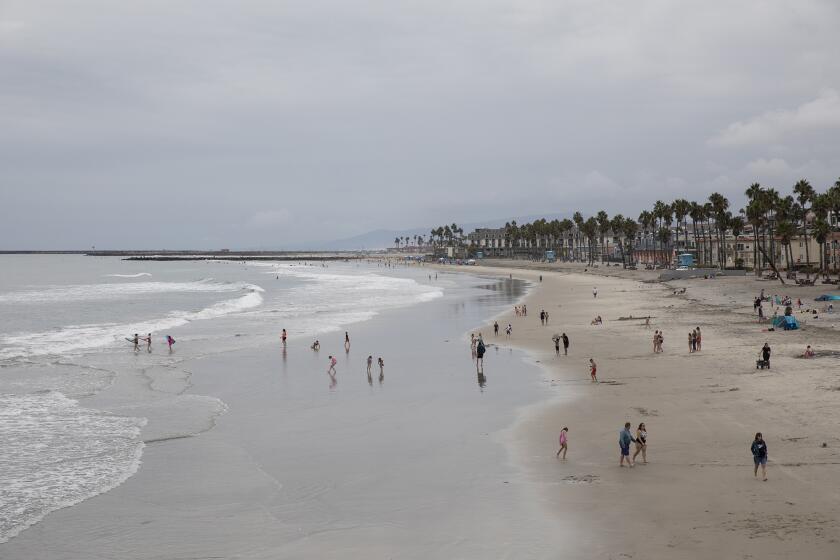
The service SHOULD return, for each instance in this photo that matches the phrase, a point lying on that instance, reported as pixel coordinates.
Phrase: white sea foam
(138, 275)
(80, 338)
(103, 292)
(328, 300)
(56, 454)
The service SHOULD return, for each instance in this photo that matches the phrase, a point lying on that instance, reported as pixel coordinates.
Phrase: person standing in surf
(346, 341)
(170, 341)
(565, 344)
(369, 364)
(136, 341)
(479, 355)
(148, 340)
(283, 337)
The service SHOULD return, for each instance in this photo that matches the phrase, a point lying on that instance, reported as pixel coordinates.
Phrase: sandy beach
(697, 496)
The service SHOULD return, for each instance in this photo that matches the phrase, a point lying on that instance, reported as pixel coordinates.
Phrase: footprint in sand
(581, 479)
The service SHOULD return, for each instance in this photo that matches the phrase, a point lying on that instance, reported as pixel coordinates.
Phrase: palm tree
(397, 242)
(616, 226)
(753, 193)
(664, 236)
(754, 214)
(630, 228)
(681, 209)
(510, 234)
(577, 218)
(719, 205)
(708, 212)
(646, 221)
(786, 230)
(696, 213)
(667, 217)
(736, 226)
(821, 207)
(590, 230)
(822, 229)
(771, 202)
(603, 226)
(805, 194)
(833, 194)
(658, 212)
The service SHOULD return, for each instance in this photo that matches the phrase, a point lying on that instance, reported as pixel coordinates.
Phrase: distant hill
(384, 238)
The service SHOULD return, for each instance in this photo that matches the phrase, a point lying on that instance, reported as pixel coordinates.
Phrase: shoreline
(279, 477)
(697, 495)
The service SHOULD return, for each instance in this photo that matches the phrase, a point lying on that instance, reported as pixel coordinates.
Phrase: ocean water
(77, 404)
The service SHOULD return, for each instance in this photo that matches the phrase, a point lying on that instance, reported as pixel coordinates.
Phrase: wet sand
(697, 496)
(413, 466)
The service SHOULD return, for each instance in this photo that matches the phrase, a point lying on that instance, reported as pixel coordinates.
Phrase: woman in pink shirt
(564, 442)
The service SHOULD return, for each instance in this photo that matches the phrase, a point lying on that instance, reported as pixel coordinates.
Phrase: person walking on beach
(136, 341)
(697, 340)
(546, 317)
(556, 339)
(542, 317)
(593, 370)
(625, 438)
(595, 292)
(508, 330)
(759, 453)
(564, 442)
(331, 368)
(641, 443)
(495, 328)
(170, 341)
(765, 354)
(565, 344)
(283, 337)
(381, 370)
(346, 342)
(369, 364)
(479, 355)
(692, 342)
(148, 340)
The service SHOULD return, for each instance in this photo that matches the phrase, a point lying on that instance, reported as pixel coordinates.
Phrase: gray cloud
(203, 123)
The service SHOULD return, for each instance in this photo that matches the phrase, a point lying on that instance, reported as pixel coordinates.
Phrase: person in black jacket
(765, 354)
(759, 453)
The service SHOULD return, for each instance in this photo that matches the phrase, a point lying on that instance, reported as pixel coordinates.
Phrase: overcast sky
(281, 123)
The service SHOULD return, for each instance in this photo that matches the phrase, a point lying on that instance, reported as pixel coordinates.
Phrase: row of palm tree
(407, 241)
(450, 234)
(773, 220)
(805, 212)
